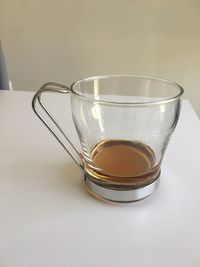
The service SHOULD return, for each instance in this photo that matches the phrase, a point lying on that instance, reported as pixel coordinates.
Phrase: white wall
(66, 40)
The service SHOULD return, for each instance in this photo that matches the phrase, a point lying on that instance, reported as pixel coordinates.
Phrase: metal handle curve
(55, 88)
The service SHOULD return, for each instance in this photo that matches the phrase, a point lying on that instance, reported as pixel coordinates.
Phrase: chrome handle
(55, 88)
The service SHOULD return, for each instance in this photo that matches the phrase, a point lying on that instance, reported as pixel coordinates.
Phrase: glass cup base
(120, 195)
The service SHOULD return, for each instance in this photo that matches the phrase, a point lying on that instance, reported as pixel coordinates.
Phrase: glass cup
(124, 124)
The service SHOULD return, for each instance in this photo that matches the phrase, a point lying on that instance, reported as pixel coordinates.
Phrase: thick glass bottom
(120, 195)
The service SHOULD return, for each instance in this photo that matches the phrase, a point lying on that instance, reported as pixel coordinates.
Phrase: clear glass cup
(124, 124)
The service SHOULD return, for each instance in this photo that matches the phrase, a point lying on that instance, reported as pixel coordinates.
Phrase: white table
(47, 218)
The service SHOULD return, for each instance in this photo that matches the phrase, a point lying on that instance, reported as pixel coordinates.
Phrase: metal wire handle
(55, 88)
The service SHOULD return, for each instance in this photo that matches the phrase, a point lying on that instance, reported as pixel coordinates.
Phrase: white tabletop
(48, 219)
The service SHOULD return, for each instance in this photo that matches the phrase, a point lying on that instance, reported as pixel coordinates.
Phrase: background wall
(66, 40)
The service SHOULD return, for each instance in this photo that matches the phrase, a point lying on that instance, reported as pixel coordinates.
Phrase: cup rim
(140, 103)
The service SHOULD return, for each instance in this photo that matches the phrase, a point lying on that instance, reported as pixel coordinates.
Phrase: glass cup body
(136, 114)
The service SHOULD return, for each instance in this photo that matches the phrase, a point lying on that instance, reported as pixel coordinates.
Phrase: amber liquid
(123, 162)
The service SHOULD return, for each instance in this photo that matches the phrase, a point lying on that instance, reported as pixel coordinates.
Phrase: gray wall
(66, 40)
